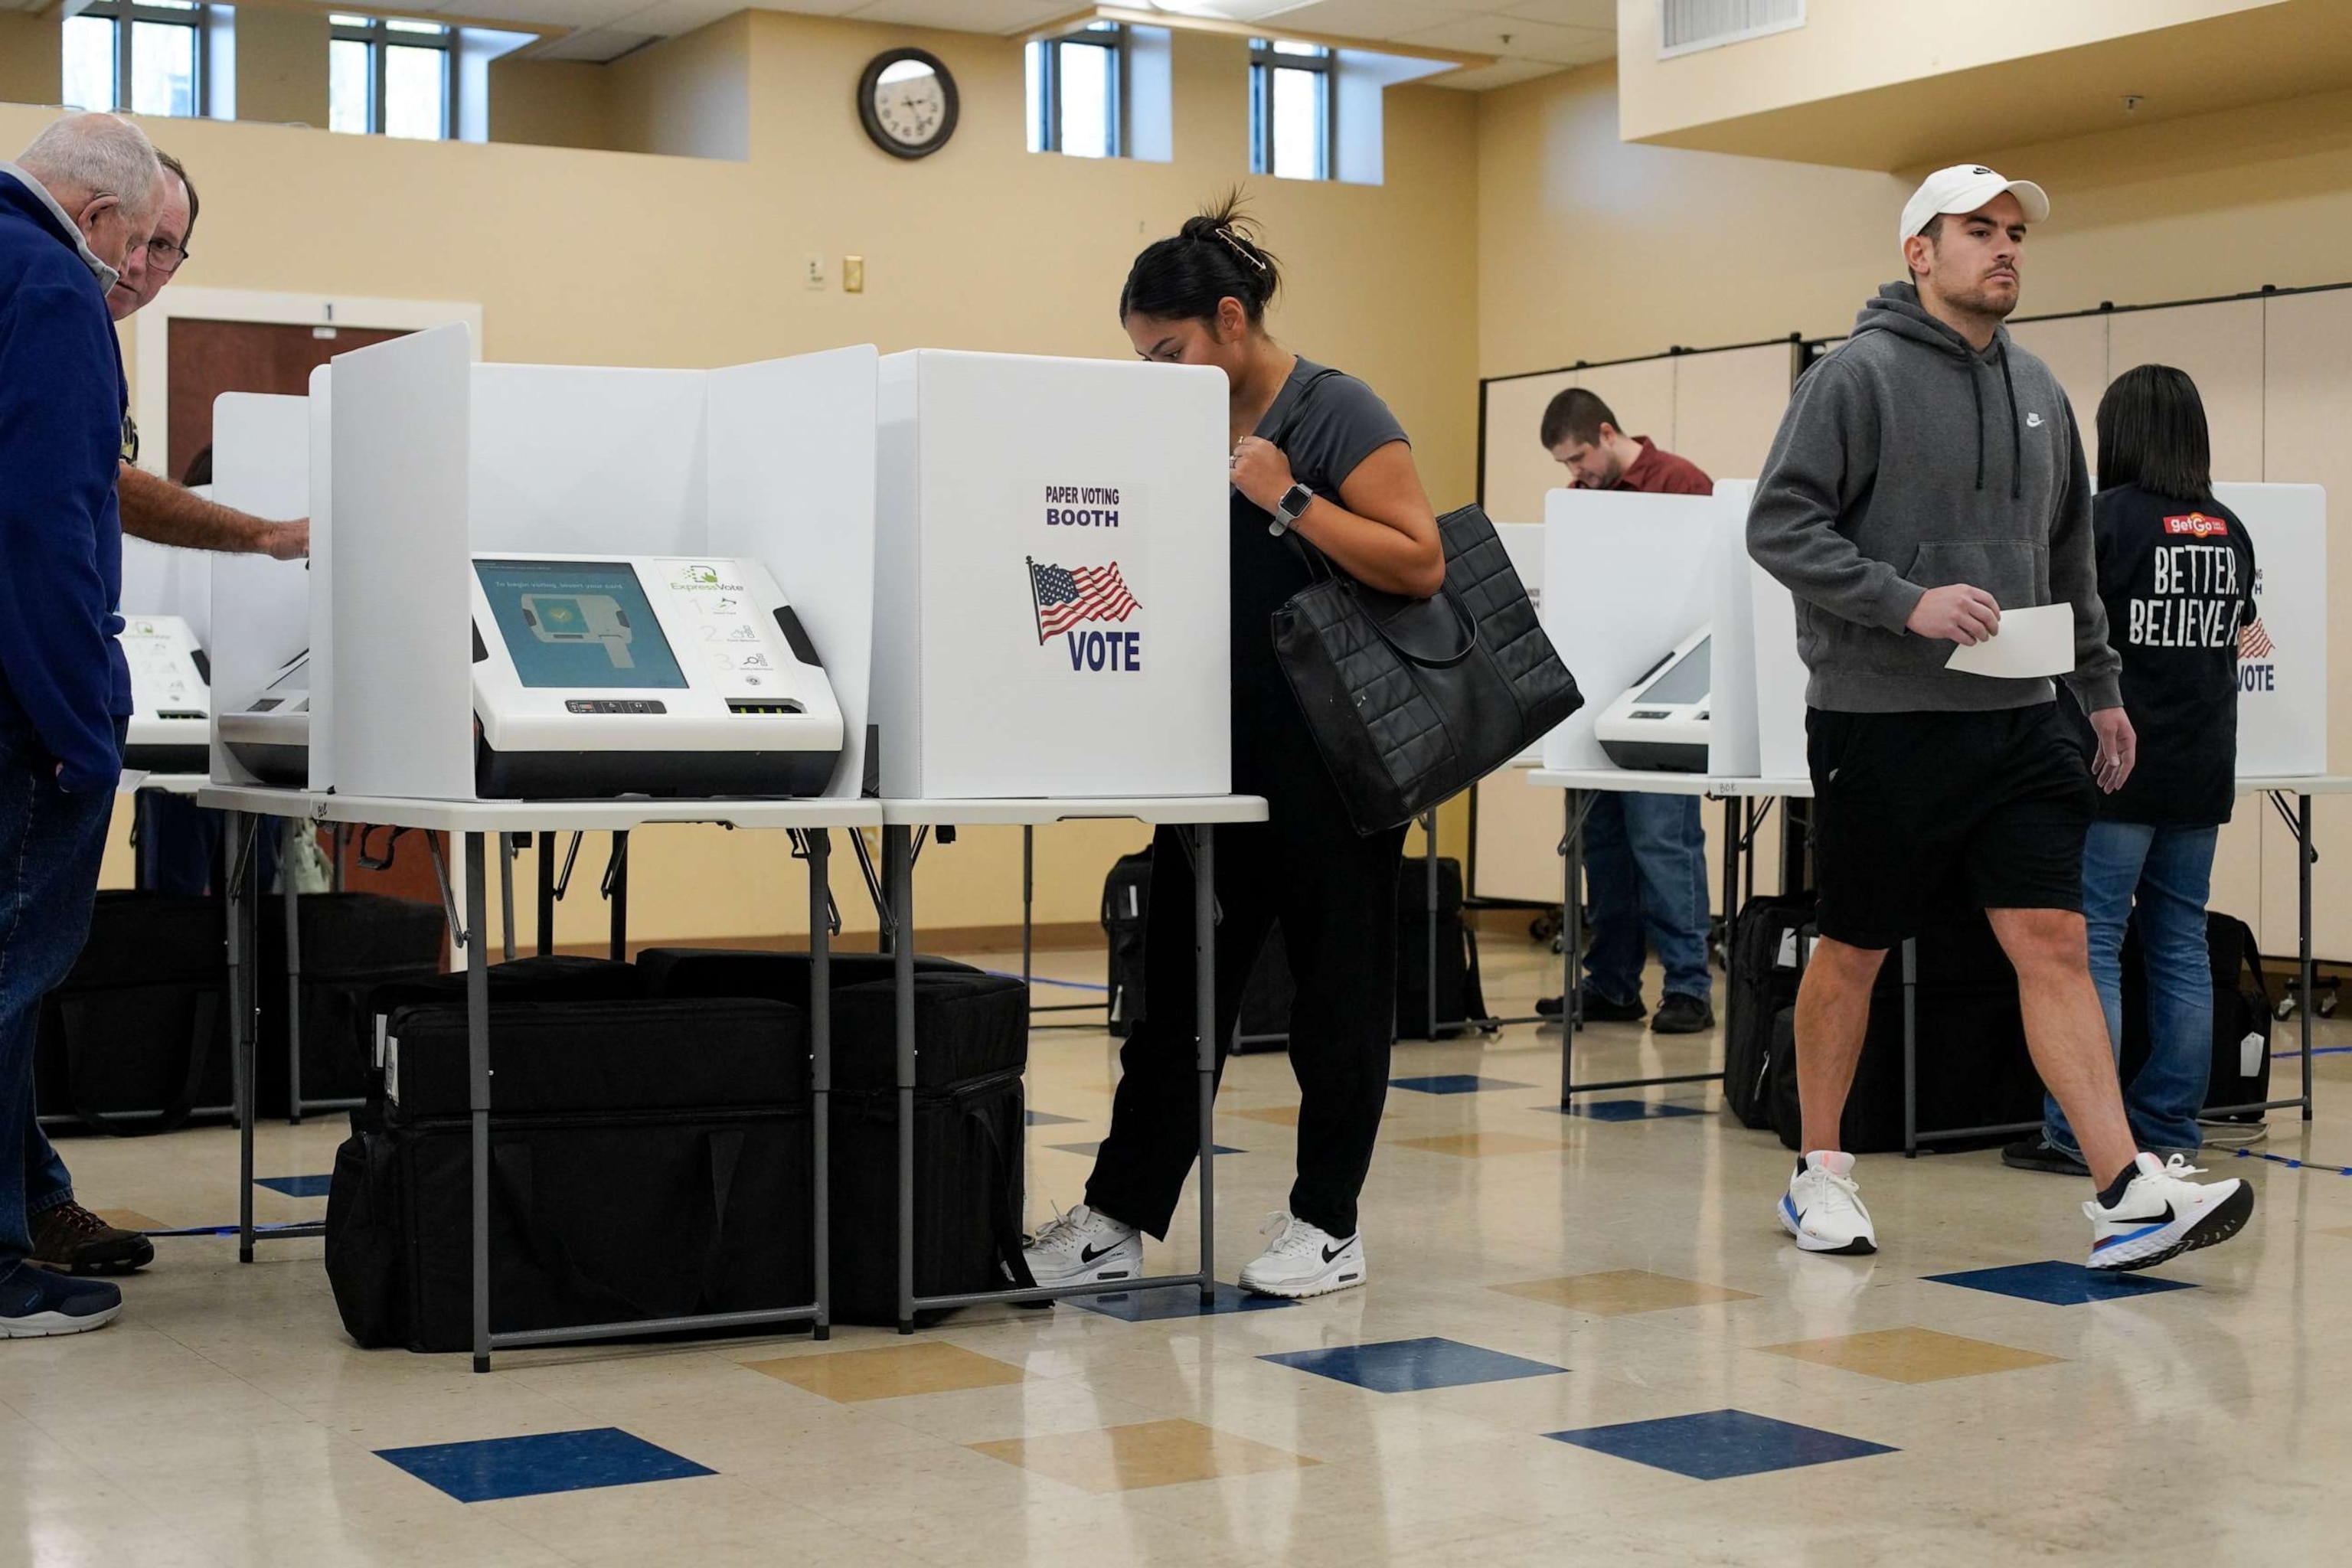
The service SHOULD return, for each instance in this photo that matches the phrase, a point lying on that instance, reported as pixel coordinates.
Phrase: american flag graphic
(2254, 641)
(1065, 596)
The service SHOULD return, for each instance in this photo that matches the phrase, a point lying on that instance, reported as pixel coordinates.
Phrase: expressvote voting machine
(171, 697)
(1660, 723)
(270, 731)
(645, 675)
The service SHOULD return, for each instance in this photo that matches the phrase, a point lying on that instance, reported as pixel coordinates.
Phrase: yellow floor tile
(1480, 1146)
(129, 1219)
(891, 1372)
(1150, 1454)
(1912, 1355)
(2342, 1230)
(1620, 1291)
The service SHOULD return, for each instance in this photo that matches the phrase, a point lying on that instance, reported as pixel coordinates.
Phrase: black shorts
(1917, 816)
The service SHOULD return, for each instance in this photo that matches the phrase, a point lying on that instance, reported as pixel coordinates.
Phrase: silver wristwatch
(1291, 508)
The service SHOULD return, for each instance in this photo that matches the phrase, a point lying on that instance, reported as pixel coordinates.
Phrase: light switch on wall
(853, 275)
(816, 271)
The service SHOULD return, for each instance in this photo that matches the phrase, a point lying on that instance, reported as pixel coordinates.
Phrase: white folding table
(904, 824)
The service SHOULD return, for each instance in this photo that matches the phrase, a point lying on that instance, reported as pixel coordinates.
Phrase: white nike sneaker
(1824, 1207)
(2163, 1214)
(1084, 1247)
(1303, 1260)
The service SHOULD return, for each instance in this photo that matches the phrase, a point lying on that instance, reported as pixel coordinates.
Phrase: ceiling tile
(1598, 15)
(1502, 73)
(582, 14)
(965, 16)
(669, 18)
(1372, 19)
(1517, 40)
(597, 43)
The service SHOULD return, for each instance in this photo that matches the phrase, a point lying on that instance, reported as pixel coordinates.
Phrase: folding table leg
(235, 831)
(898, 881)
(2304, 855)
(292, 835)
(1205, 1020)
(546, 894)
(477, 1055)
(820, 850)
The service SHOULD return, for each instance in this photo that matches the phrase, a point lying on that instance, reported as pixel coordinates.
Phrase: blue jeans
(1646, 872)
(2158, 879)
(50, 846)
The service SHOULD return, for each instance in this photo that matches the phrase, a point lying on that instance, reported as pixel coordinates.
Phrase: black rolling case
(1460, 996)
(1973, 1066)
(648, 1159)
(136, 1038)
(972, 1036)
(2241, 1015)
(1762, 980)
(542, 977)
(352, 944)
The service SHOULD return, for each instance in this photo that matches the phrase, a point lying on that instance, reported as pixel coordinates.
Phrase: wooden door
(208, 358)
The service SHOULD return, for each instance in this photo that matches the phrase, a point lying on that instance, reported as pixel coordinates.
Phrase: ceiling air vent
(1685, 26)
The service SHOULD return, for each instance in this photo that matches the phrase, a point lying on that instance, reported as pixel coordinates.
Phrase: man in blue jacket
(75, 213)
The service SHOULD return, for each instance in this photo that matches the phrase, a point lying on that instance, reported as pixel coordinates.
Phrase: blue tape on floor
(1042, 980)
(2315, 1050)
(229, 1229)
(2292, 1163)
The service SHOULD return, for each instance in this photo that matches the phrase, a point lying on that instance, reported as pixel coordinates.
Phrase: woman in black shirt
(2177, 572)
(1317, 453)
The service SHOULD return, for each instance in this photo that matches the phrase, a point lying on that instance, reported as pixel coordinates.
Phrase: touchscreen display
(578, 624)
(1685, 680)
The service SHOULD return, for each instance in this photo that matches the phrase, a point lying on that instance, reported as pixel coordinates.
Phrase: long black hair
(1214, 256)
(2152, 434)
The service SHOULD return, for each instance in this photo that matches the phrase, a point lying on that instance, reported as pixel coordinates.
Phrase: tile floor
(1584, 1341)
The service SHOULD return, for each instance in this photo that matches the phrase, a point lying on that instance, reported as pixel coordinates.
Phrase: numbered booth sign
(1051, 604)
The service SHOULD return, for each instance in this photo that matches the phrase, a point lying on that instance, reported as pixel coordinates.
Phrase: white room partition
(261, 613)
(1052, 604)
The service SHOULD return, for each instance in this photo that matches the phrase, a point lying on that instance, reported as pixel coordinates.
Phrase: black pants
(1335, 894)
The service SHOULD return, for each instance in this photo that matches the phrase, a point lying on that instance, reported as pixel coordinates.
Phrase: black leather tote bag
(1411, 700)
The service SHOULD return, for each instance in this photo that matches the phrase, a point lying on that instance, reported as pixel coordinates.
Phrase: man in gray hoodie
(1926, 476)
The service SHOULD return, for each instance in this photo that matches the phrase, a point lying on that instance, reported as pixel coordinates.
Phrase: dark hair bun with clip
(1214, 258)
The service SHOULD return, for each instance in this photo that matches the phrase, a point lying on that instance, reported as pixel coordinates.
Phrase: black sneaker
(1595, 1009)
(72, 1238)
(2036, 1152)
(1681, 1014)
(36, 1304)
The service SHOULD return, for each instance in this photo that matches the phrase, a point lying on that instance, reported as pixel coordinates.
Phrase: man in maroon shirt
(1645, 855)
(1580, 430)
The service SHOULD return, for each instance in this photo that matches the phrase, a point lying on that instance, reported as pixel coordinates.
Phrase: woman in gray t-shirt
(1315, 453)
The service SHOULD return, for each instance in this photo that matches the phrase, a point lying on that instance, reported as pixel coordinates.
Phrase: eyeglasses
(164, 256)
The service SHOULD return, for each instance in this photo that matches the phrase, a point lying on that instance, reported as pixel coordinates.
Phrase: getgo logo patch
(2197, 525)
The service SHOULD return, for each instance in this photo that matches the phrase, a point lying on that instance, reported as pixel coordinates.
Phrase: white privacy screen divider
(260, 608)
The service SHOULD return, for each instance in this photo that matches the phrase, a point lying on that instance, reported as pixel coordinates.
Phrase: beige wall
(1856, 46)
(552, 103)
(691, 96)
(626, 259)
(32, 60)
(282, 65)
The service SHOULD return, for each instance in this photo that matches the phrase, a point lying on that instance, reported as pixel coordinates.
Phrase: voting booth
(1632, 581)
(166, 607)
(566, 582)
(1052, 609)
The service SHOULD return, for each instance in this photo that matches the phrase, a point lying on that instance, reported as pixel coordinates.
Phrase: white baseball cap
(1963, 188)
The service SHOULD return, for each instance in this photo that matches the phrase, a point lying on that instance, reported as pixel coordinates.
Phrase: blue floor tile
(2060, 1284)
(296, 1186)
(1402, 1366)
(1178, 1301)
(1047, 1118)
(548, 1462)
(1095, 1147)
(1631, 1110)
(1719, 1444)
(1453, 1083)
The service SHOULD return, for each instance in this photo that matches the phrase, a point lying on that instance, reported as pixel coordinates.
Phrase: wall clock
(906, 101)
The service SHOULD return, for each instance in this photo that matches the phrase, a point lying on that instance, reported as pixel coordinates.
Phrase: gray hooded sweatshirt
(1908, 461)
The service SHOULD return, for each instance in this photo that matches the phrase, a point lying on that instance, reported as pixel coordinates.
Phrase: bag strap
(1004, 1218)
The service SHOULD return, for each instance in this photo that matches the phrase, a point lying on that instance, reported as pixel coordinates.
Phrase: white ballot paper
(2035, 642)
